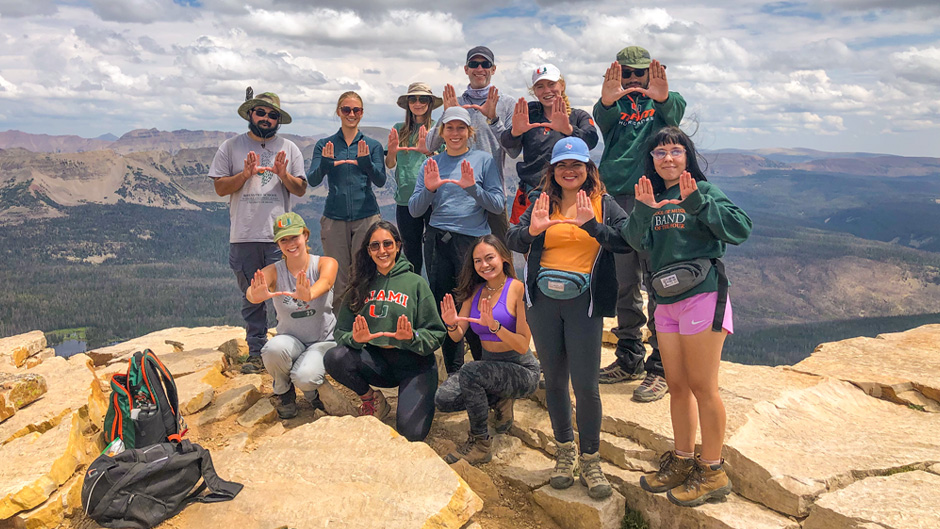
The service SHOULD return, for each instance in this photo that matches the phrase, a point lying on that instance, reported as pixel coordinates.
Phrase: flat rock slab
(900, 501)
(14, 350)
(342, 473)
(572, 508)
(187, 338)
(179, 364)
(259, 413)
(734, 512)
(528, 469)
(627, 454)
(901, 367)
(230, 403)
(18, 391)
(64, 502)
(72, 386)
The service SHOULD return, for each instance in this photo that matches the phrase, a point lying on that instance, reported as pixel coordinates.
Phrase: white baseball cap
(546, 71)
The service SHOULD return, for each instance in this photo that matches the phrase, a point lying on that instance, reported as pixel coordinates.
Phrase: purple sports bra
(500, 314)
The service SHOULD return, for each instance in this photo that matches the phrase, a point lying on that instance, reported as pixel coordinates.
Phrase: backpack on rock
(144, 407)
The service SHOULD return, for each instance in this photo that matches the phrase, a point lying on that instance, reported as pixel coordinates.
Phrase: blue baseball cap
(570, 149)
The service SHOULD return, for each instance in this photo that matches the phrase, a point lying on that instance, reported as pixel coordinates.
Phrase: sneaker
(614, 373)
(652, 388)
(476, 450)
(313, 397)
(376, 405)
(502, 419)
(704, 483)
(566, 464)
(287, 403)
(672, 472)
(593, 477)
(253, 365)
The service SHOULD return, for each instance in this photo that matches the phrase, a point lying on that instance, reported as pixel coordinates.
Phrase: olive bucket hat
(267, 99)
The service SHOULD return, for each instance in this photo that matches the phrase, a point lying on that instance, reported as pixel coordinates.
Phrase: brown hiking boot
(593, 477)
(705, 482)
(566, 464)
(475, 450)
(672, 472)
(376, 405)
(502, 419)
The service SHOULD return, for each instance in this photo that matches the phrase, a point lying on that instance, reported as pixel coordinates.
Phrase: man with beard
(635, 103)
(259, 172)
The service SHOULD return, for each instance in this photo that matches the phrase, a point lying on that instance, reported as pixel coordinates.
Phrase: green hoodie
(627, 128)
(400, 292)
(698, 227)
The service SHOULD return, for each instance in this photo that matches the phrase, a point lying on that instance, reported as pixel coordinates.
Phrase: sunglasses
(660, 154)
(354, 110)
(473, 64)
(274, 114)
(388, 244)
(627, 72)
(420, 99)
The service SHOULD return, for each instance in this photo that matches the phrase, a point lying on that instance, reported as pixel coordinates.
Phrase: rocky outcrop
(18, 391)
(169, 341)
(900, 501)
(16, 350)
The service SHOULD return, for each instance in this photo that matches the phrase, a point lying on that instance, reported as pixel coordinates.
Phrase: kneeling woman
(692, 321)
(494, 307)
(569, 233)
(301, 286)
(387, 330)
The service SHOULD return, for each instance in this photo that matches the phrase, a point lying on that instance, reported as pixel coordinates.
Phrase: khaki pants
(341, 240)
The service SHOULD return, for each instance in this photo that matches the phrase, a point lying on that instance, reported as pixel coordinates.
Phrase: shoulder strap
(219, 489)
(722, 295)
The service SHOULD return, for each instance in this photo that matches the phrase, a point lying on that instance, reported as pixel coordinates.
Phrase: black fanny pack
(681, 277)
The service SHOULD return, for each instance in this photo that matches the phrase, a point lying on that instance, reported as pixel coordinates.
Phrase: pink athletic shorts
(692, 315)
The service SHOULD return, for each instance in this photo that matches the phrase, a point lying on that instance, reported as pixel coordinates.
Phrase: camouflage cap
(267, 99)
(634, 57)
(287, 225)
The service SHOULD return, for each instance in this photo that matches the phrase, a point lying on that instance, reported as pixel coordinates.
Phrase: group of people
(591, 235)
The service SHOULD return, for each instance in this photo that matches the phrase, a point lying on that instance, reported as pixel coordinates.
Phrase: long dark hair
(469, 279)
(409, 129)
(364, 270)
(666, 136)
(592, 186)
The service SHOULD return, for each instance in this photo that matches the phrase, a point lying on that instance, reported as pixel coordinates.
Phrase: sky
(833, 75)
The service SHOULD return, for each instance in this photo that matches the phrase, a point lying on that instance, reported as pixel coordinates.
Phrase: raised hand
(486, 314)
(520, 118)
(432, 175)
(541, 211)
(403, 332)
(251, 164)
(658, 88)
(448, 310)
(611, 90)
(449, 97)
(259, 290)
(687, 185)
(422, 145)
(360, 330)
(466, 175)
(393, 142)
(585, 212)
(303, 290)
(327, 151)
(644, 193)
(488, 108)
(363, 149)
(559, 120)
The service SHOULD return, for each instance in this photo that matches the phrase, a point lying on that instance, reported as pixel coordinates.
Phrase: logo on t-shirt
(267, 160)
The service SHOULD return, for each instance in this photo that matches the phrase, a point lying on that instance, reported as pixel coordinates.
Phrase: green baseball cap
(634, 57)
(287, 225)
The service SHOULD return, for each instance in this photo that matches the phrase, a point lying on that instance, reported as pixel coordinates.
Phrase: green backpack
(144, 406)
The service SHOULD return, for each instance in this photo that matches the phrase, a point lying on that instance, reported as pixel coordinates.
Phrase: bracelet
(451, 329)
(498, 327)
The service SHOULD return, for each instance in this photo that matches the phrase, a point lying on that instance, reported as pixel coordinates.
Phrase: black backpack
(142, 487)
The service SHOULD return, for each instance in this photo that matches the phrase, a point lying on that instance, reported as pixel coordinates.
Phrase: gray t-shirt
(253, 208)
(308, 321)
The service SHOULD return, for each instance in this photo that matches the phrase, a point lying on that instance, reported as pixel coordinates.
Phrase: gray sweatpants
(289, 361)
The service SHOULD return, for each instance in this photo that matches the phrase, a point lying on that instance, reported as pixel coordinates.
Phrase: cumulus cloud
(21, 8)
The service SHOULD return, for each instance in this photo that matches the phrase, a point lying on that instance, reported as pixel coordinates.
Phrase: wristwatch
(493, 121)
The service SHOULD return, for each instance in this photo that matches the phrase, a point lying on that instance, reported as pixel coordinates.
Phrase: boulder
(36, 464)
(18, 391)
(505, 446)
(230, 403)
(334, 402)
(572, 508)
(901, 367)
(14, 350)
(259, 413)
(338, 472)
(190, 338)
(235, 350)
(899, 501)
(478, 480)
(195, 391)
(527, 469)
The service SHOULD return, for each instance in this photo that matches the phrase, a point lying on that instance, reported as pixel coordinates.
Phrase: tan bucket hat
(267, 99)
(419, 89)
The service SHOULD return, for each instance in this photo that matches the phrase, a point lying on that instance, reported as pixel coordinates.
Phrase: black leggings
(412, 234)
(415, 377)
(479, 385)
(569, 342)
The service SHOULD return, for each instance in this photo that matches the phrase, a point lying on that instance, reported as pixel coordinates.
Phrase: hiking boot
(287, 404)
(253, 365)
(652, 388)
(476, 450)
(704, 483)
(672, 472)
(313, 397)
(502, 419)
(376, 405)
(615, 373)
(593, 478)
(566, 464)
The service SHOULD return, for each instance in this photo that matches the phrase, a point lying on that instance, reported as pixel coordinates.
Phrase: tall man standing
(259, 172)
(490, 115)
(635, 103)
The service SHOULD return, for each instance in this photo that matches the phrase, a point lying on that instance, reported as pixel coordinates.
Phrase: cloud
(918, 65)
(24, 8)
(140, 11)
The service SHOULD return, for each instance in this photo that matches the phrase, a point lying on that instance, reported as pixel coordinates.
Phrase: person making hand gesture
(570, 233)
(387, 330)
(460, 186)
